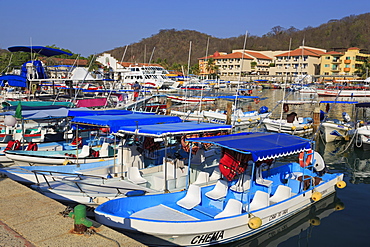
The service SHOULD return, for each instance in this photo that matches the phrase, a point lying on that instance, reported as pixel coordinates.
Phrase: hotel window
(327, 58)
(348, 58)
(327, 65)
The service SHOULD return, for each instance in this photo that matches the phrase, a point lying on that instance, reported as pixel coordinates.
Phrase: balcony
(334, 69)
(347, 69)
(336, 61)
(347, 61)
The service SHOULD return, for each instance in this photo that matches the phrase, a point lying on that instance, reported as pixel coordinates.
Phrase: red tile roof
(234, 55)
(353, 48)
(333, 53)
(66, 61)
(302, 51)
(258, 55)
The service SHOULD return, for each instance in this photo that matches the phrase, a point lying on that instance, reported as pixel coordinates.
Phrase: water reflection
(297, 229)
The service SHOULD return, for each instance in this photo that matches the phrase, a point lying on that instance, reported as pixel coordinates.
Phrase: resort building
(301, 61)
(335, 63)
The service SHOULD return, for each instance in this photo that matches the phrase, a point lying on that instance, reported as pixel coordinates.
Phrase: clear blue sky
(89, 26)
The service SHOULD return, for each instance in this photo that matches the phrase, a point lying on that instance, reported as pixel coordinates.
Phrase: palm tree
(363, 70)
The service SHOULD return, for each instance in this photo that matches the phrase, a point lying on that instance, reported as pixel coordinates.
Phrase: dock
(28, 218)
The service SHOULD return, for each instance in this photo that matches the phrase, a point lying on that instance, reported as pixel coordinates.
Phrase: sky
(89, 27)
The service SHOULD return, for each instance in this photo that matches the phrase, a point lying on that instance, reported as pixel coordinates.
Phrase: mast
(240, 76)
(201, 91)
(286, 79)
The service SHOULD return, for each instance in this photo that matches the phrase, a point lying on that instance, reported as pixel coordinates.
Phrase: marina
(321, 219)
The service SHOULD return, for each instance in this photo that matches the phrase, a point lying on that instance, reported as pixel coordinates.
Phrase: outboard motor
(263, 109)
(346, 117)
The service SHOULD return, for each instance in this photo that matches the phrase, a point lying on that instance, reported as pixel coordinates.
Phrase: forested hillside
(172, 46)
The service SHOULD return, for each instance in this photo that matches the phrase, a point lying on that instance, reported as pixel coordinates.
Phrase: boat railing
(55, 173)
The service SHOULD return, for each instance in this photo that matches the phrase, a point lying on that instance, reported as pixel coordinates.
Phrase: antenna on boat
(286, 79)
(151, 56)
(240, 75)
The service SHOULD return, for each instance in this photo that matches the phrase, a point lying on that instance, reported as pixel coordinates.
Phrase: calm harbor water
(329, 225)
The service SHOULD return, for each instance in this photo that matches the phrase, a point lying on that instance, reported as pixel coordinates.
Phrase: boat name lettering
(278, 214)
(209, 237)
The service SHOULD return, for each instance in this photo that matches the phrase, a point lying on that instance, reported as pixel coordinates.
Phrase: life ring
(45, 88)
(285, 107)
(257, 100)
(301, 156)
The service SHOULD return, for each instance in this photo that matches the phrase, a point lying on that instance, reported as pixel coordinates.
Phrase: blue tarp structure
(262, 146)
(38, 73)
(65, 112)
(159, 130)
(337, 102)
(42, 50)
(13, 80)
(115, 122)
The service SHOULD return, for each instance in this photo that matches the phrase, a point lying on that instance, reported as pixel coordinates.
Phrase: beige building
(335, 63)
(301, 61)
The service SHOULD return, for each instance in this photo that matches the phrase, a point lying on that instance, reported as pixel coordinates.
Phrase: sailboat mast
(201, 91)
(286, 79)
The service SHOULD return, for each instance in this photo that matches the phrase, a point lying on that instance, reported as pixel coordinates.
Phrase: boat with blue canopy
(256, 192)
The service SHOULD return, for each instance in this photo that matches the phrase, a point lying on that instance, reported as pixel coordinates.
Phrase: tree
(364, 70)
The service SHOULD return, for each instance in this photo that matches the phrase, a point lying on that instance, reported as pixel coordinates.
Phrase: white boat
(238, 117)
(149, 76)
(229, 210)
(361, 130)
(335, 129)
(300, 126)
(190, 100)
(136, 173)
(344, 92)
(307, 90)
(84, 155)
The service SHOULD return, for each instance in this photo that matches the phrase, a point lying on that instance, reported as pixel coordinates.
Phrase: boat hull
(216, 231)
(334, 132)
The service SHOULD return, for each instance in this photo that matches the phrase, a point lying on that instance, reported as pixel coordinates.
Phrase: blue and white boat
(248, 202)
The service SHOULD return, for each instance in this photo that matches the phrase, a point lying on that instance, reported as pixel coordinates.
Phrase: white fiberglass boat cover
(261, 146)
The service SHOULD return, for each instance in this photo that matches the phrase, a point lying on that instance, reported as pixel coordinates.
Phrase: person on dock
(136, 87)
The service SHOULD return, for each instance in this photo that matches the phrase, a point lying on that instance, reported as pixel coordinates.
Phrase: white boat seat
(104, 150)
(260, 180)
(135, 176)
(216, 174)
(243, 184)
(219, 191)
(202, 178)
(85, 151)
(282, 192)
(192, 197)
(232, 208)
(260, 200)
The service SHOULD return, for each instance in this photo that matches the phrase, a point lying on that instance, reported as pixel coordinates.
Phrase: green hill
(173, 45)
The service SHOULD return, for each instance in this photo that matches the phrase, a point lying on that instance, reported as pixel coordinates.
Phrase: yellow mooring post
(168, 106)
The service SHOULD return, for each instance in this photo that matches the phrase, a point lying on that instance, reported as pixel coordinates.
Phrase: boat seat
(135, 176)
(219, 191)
(216, 174)
(202, 178)
(104, 150)
(192, 197)
(232, 208)
(260, 200)
(243, 184)
(295, 185)
(260, 180)
(85, 151)
(282, 192)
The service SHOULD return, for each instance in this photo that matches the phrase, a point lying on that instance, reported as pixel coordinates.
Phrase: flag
(18, 111)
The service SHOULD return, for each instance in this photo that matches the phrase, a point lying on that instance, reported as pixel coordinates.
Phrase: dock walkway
(28, 218)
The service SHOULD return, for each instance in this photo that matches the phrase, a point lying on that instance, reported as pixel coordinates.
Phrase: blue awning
(42, 50)
(337, 102)
(13, 80)
(115, 122)
(166, 129)
(262, 146)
